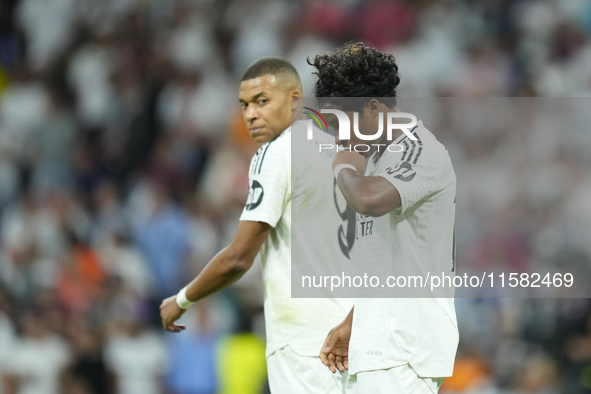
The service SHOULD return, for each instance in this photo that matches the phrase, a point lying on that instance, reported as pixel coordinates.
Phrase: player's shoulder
(308, 144)
(426, 145)
(279, 144)
(271, 153)
(276, 147)
(422, 150)
(323, 145)
(434, 155)
(322, 137)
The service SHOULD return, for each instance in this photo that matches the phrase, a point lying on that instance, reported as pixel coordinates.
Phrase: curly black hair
(356, 71)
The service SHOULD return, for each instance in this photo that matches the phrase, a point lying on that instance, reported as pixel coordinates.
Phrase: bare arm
(367, 195)
(223, 270)
(232, 262)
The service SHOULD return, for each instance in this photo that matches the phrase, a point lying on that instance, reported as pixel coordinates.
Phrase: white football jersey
(415, 239)
(302, 323)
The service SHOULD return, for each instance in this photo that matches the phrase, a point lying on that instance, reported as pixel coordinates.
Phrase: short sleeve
(269, 183)
(416, 176)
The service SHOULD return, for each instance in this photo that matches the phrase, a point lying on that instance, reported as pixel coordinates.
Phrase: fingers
(169, 323)
(324, 358)
(324, 351)
(334, 362)
(172, 327)
(331, 361)
(169, 314)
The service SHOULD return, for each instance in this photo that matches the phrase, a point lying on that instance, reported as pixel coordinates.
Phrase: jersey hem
(428, 373)
(386, 364)
(270, 222)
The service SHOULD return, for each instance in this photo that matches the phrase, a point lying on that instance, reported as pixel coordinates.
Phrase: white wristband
(181, 299)
(340, 167)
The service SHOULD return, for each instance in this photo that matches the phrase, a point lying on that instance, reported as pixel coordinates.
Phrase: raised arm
(367, 195)
(224, 269)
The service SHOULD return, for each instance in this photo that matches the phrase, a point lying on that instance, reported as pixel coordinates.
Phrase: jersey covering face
(302, 323)
(413, 240)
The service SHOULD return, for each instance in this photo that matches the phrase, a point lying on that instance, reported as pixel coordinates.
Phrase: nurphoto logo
(344, 128)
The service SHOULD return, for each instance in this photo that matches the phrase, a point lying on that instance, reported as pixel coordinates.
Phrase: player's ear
(297, 92)
(296, 107)
(373, 107)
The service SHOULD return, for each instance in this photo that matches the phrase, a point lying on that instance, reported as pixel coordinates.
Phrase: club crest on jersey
(255, 196)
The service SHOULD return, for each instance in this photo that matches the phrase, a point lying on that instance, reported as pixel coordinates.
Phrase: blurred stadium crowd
(123, 170)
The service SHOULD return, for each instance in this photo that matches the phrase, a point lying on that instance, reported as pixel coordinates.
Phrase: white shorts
(291, 373)
(397, 380)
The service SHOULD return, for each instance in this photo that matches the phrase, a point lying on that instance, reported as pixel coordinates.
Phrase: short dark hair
(270, 65)
(356, 71)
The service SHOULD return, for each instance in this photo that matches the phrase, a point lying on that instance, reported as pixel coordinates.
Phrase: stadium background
(123, 169)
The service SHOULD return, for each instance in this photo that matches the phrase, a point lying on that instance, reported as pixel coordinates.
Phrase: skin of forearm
(222, 271)
(364, 194)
